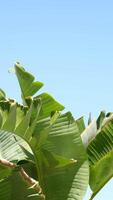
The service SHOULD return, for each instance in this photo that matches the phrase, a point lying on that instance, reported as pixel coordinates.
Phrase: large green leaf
(68, 182)
(100, 153)
(10, 150)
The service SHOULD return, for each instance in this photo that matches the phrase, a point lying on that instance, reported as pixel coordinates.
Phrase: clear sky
(67, 44)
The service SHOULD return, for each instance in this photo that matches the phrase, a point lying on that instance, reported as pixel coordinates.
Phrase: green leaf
(100, 153)
(10, 147)
(64, 141)
(10, 150)
(26, 81)
(49, 105)
(43, 128)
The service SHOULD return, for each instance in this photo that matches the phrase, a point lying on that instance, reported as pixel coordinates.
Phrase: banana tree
(42, 155)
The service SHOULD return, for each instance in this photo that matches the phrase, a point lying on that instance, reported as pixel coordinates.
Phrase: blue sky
(67, 44)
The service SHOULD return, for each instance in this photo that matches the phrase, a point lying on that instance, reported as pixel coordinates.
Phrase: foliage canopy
(46, 154)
